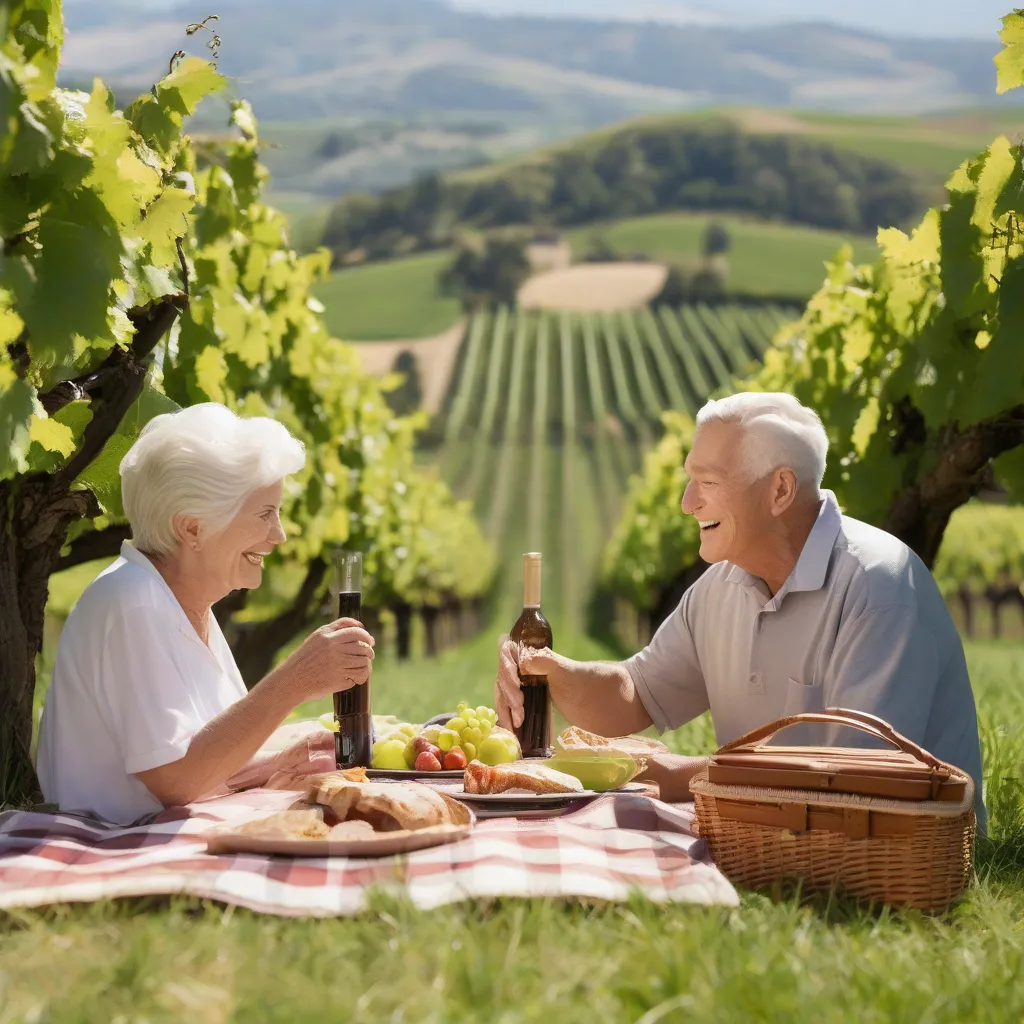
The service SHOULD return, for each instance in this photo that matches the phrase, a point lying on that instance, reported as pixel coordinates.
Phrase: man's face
(733, 511)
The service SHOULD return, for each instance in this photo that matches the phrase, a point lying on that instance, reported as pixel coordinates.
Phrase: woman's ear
(187, 530)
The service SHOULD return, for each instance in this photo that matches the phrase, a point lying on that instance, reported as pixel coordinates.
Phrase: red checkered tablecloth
(613, 847)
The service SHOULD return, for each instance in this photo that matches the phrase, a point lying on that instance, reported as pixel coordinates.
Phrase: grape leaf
(102, 476)
(1010, 60)
(17, 404)
(52, 435)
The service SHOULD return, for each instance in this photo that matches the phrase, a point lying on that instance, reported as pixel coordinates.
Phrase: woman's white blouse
(132, 684)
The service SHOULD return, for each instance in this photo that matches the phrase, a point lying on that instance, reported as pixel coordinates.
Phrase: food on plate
(473, 732)
(294, 824)
(576, 742)
(422, 745)
(389, 754)
(351, 830)
(526, 776)
(387, 806)
(427, 761)
(600, 774)
(455, 759)
(497, 750)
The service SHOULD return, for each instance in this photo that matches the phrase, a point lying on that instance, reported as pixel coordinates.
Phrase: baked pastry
(295, 824)
(387, 806)
(525, 776)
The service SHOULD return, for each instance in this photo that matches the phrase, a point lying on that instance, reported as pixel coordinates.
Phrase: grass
(766, 257)
(512, 961)
(396, 299)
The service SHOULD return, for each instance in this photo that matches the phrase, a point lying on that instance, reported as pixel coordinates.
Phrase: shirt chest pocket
(802, 697)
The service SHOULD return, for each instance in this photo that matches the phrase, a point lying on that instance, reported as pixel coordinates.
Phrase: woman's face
(234, 556)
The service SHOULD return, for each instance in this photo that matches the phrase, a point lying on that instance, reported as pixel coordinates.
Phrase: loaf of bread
(524, 776)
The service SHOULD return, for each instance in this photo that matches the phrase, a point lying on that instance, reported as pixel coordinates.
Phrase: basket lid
(906, 773)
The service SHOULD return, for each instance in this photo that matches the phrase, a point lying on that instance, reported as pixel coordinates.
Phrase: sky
(978, 19)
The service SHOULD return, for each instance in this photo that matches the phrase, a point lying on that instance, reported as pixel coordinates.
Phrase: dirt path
(435, 358)
(588, 287)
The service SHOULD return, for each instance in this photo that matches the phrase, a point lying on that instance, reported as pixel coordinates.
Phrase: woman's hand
(334, 657)
(310, 755)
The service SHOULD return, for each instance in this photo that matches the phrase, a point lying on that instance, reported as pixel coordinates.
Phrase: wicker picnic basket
(890, 826)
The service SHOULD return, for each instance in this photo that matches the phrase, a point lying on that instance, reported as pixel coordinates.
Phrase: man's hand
(513, 659)
(332, 658)
(508, 697)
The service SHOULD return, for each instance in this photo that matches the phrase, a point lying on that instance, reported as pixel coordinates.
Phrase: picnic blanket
(615, 846)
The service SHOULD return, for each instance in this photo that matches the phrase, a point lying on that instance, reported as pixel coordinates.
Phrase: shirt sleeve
(667, 673)
(886, 663)
(149, 687)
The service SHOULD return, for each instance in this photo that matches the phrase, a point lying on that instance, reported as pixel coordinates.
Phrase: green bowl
(599, 774)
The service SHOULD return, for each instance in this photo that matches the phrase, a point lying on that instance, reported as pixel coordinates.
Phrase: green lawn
(396, 299)
(766, 257)
(514, 961)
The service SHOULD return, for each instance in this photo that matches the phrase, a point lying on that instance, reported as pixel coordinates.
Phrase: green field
(397, 299)
(514, 962)
(766, 258)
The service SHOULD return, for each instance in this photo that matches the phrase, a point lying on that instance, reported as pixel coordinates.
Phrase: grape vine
(139, 272)
(915, 363)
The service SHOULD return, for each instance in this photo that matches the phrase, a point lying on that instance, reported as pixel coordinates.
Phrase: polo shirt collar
(812, 565)
(130, 553)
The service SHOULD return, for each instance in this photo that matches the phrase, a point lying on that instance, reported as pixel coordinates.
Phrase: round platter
(412, 776)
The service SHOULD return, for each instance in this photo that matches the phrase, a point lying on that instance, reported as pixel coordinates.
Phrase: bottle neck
(531, 582)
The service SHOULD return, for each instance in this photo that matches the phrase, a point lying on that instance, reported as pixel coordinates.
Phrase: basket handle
(859, 720)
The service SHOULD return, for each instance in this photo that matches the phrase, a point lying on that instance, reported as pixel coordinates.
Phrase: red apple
(455, 759)
(427, 762)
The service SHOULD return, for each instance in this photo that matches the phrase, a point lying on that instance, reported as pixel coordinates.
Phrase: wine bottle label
(531, 580)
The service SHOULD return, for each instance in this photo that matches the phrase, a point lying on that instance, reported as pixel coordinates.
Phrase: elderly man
(803, 608)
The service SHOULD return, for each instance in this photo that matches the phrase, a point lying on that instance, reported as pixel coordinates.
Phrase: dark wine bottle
(533, 630)
(353, 742)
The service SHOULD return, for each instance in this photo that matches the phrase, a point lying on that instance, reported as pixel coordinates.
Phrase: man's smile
(707, 524)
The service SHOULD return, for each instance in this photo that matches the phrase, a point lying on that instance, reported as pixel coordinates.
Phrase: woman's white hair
(778, 431)
(203, 461)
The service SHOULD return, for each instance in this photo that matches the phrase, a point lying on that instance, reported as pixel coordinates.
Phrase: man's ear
(784, 490)
(187, 530)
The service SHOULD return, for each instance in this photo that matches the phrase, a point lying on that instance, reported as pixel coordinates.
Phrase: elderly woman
(147, 708)
(803, 608)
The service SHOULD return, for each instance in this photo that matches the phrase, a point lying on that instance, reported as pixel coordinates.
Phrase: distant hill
(325, 58)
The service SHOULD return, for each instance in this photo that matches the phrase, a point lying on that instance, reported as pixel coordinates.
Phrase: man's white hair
(778, 431)
(203, 461)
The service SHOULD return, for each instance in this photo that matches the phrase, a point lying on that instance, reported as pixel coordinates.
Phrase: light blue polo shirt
(860, 623)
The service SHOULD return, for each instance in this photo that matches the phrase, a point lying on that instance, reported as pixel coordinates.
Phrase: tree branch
(919, 514)
(117, 391)
(145, 341)
(95, 544)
